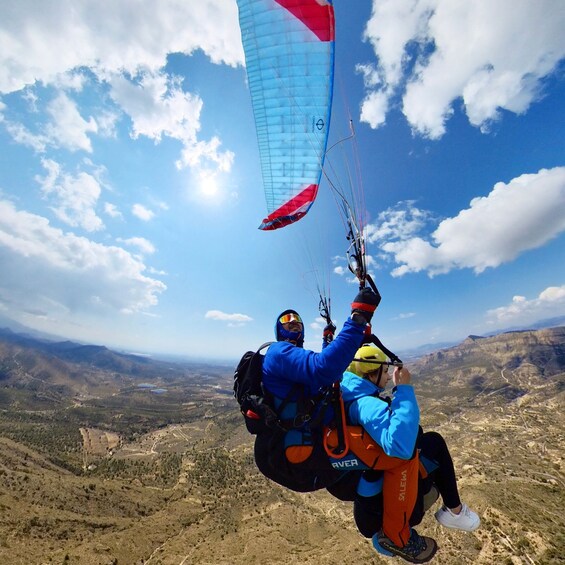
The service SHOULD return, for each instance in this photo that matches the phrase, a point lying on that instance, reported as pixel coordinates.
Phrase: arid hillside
(155, 466)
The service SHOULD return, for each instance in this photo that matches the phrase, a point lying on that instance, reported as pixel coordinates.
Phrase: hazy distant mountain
(8, 323)
(97, 355)
(427, 348)
(416, 352)
(541, 324)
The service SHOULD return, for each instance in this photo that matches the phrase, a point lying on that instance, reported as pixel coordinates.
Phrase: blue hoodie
(286, 364)
(394, 427)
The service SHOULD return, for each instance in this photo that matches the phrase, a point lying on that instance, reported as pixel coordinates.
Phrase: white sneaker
(466, 520)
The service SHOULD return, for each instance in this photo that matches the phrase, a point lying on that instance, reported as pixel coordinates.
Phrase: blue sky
(130, 188)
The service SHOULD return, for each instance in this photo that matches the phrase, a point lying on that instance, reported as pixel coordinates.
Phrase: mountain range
(111, 458)
(410, 353)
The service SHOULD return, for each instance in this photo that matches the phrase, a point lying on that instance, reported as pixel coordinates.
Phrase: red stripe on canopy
(317, 17)
(292, 210)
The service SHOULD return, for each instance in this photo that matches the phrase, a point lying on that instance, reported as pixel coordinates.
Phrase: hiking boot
(419, 549)
(378, 547)
(430, 497)
(466, 520)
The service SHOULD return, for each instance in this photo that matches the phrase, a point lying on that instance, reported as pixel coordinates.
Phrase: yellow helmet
(367, 359)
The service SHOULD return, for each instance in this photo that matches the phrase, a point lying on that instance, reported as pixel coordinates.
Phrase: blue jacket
(394, 427)
(285, 365)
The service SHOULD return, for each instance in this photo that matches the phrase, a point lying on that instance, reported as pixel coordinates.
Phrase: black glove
(329, 332)
(365, 304)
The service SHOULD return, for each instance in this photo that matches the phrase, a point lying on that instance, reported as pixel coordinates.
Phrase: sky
(131, 191)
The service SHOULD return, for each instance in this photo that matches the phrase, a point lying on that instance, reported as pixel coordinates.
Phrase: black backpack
(257, 405)
(248, 391)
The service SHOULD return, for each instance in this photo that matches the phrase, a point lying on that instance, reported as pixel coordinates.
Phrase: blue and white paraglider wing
(289, 53)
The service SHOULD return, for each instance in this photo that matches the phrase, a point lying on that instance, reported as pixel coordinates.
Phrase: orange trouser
(400, 479)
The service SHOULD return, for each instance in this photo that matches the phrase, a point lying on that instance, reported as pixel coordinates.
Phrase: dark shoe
(378, 547)
(419, 549)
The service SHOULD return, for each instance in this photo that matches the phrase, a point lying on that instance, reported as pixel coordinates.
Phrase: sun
(208, 185)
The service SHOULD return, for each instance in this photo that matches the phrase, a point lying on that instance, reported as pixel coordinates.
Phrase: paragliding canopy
(289, 54)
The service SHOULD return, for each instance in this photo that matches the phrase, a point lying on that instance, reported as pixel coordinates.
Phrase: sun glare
(208, 185)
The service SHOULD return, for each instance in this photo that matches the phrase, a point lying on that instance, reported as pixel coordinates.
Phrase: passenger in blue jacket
(394, 428)
(392, 422)
(299, 382)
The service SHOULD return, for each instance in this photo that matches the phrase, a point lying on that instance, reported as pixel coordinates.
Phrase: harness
(297, 410)
(300, 418)
(362, 451)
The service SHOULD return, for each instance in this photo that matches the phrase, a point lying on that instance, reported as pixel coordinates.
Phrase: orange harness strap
(400, 479)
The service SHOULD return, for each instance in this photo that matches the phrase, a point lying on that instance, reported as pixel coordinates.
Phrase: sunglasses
(286, 318)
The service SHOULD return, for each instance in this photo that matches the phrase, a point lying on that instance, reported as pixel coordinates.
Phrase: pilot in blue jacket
(297, 379)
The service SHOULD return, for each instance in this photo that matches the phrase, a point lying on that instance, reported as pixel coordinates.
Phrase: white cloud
(75, 198)
(73, 80)
(193, 154)
(433, 52)
(550, 303)
(405, 316)
(57, 274)
(144, 245)
(31, 98)
(112, 210)
(67, 128)
(142, 212)
(524, 214)
(400, 222)
(374, 109)
(161, 205)
(154, 271)
(318, 324)
(223, 317)
(43, 44)
(158, 106)
(344, 271)
(107, 123)
(66, 44)
(21, 134)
